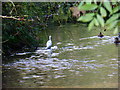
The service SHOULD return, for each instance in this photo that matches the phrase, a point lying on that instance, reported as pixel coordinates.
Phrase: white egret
(49, 43)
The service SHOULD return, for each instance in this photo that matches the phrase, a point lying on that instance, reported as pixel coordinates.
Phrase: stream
(78, 59)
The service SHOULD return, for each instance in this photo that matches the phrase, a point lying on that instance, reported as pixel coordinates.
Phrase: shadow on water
(78, 58)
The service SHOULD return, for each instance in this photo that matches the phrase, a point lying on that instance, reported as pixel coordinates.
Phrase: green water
(81, 60)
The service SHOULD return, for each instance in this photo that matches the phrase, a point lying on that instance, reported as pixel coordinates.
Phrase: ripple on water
(59, 76)
(71, 48)
(68, 44)
(24, 53)
(110, 75)
(72, 70)
(26, 77)
(114, 59)
(36, 76)
(32, 65)
(59, 43)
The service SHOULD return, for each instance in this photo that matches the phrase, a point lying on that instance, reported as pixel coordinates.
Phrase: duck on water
(117, 39)
(100, 35)
(119, 35)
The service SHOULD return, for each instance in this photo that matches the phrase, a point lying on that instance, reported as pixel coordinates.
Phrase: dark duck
(100, 35)
(119, 35)
(117, 41)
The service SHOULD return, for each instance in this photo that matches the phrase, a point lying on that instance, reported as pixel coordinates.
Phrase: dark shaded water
(78, 59)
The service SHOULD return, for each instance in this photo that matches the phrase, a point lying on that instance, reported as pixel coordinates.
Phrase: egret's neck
(49, 37)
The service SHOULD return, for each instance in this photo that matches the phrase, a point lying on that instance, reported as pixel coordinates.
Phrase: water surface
(79, 59)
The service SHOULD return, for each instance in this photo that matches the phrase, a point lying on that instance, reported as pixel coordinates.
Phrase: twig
(13, 7)
(11, 17)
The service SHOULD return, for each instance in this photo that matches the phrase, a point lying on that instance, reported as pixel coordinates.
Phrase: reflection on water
(77, 59)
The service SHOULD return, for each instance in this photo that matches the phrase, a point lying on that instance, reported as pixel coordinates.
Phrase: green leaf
(115, 9)
(103, 12)
(86, 18)
(95, 1)
(88, 1)
(113, 2)
(96, 22)
(90, 14)
(113, 18)
(81, 3)
(112, 24)
(100, 20)
(108, 6)
(115, 30)
(119, 23)
(91, 24)
(88, 7)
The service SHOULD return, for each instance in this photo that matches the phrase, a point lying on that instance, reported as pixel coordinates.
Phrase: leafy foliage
(88, 7)
(86, 18)
(23, 22)
(105, 14)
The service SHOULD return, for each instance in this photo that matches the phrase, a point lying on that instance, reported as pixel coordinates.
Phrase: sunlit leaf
(88, 7)
(88, 1)
(91, 24)
(103, 12)
(108, 6)
(96, 22)
(115, 9)
(95, 1)
(81, 3)
(89, 14)
(111, 19)
(119, 23)
(100, 20)
(86, 18)
(112, 24)
(113, 2)
(115, 30)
